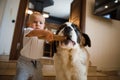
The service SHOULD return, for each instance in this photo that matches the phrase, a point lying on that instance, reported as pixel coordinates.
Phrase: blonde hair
(35, 14)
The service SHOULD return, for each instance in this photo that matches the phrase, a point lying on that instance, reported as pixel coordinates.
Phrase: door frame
(18, 32)
(81, 14)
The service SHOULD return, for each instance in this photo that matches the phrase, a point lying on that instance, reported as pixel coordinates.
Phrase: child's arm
(42, 34)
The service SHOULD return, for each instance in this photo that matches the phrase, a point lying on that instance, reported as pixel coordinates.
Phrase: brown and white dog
(71, 58)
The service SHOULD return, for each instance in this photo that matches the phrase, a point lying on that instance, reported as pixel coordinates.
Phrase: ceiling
(56, 8)
(60, 9)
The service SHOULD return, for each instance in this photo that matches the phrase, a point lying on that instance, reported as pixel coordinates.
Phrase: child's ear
(85, 40)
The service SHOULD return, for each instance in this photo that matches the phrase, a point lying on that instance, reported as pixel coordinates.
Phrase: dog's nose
(67, 29)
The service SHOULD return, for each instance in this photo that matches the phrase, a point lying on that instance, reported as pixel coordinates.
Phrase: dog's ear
(85, 40)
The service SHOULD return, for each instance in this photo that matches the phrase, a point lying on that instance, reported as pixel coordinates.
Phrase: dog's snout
(67, 31)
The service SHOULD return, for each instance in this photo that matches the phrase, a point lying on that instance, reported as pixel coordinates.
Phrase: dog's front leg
(60, 75)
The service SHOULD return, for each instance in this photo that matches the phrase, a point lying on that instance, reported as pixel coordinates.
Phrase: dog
(71, 58)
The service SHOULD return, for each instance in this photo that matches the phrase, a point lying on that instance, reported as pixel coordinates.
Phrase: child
(28, 65)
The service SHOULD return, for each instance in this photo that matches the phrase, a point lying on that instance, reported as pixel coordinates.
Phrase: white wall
(10, 10)
(105, 39)
(2, 7)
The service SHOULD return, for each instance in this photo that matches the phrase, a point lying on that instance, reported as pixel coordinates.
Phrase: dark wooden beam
(14, 53)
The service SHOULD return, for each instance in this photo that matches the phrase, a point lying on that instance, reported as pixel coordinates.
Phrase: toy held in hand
(47, 35)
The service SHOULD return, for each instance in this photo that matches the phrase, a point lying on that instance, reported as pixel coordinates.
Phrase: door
(9, 9)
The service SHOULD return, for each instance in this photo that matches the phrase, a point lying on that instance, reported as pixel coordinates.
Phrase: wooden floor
(8, 70)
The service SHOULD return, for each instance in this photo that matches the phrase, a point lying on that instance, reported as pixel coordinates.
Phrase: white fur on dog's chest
(71, 63)
(73, 57)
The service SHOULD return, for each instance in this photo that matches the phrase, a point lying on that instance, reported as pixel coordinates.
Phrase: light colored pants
(27, 70)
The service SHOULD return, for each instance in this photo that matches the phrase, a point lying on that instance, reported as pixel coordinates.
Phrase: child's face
(38, 22)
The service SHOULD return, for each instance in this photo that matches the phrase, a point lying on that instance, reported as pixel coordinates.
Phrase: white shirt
(32, 46)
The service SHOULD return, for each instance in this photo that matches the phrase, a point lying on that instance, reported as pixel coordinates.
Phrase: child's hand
(49, 36)
(42, 34)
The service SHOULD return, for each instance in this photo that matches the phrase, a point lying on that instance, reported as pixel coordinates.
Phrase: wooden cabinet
(48, 50)
(77, 13)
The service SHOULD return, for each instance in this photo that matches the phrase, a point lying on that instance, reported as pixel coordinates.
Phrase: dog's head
(73, 36)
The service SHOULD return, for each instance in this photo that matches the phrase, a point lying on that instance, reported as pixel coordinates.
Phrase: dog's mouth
(68, 40)
(67, 32)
